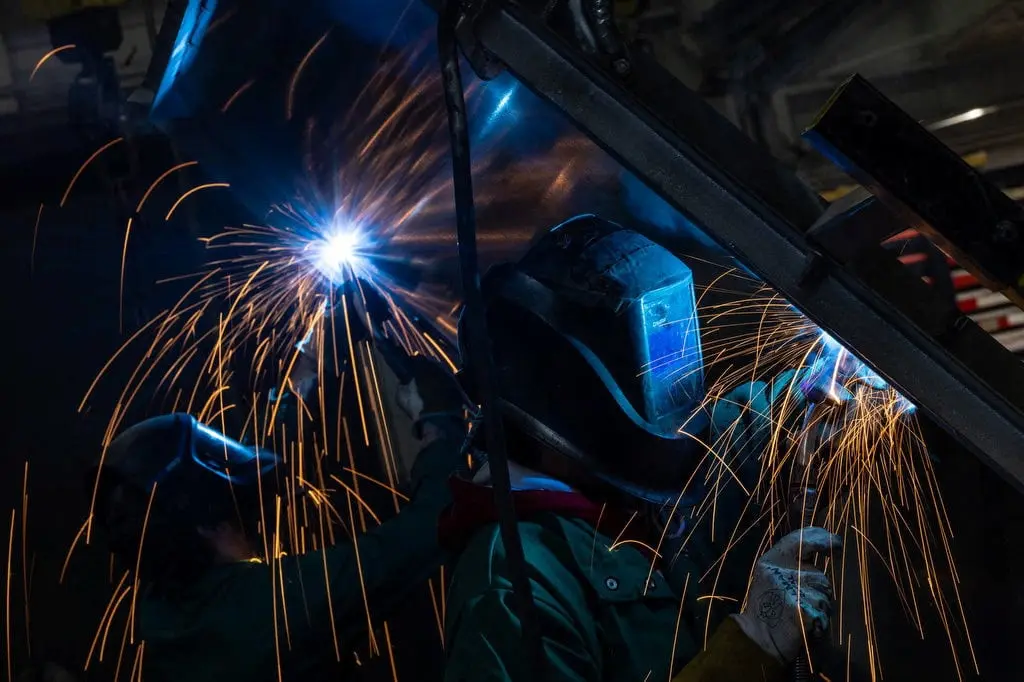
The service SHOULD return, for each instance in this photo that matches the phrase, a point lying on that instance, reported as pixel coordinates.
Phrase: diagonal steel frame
(736, 193)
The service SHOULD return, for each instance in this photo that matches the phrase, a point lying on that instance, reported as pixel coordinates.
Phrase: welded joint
(814, 271)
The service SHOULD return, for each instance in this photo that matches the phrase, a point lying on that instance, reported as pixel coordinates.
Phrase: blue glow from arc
(646, 205)
(832, 352)
(196, 21)
(501, 94)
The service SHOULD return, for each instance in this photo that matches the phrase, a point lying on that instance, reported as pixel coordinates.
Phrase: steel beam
(696, 160)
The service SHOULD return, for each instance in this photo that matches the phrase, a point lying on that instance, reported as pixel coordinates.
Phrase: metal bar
(926, 183)
(698, 162)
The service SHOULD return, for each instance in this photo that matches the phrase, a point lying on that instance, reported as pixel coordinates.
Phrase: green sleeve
(486, 645)
(741, 432)
(384, 565)
(731, 656)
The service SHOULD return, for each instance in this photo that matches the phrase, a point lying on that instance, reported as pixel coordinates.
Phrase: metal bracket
(483, 62)
(852, 225)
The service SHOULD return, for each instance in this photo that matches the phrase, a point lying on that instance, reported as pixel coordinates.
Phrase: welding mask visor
(609, 318)
(201, 475)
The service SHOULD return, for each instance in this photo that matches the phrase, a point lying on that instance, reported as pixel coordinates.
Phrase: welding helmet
(201, 476)
(596, 344)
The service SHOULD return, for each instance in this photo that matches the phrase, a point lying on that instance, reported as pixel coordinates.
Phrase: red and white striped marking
(992, 311)
(977, 300)
(1000, 319)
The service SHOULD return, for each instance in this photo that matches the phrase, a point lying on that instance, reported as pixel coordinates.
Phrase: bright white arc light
(336, 253)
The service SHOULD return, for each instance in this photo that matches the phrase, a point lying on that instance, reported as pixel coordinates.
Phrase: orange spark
(107, 615)
(145, 196)
(35, 237)
(71, 550)
(298, 72)
(7, 599)
(124, 260)
(236, 94)
(138, 559)
(24, 557)
(81, 168)
(192, 191)
(46, 57)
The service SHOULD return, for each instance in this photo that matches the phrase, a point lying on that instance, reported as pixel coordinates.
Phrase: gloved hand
(435, 402)
(774, 617)
(433, 396)
(286, 404)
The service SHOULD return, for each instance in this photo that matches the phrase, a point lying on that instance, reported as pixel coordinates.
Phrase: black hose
(606, 33)
(480, 361)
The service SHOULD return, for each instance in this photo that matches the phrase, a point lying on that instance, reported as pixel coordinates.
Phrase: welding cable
(602, 19)
(480, 361)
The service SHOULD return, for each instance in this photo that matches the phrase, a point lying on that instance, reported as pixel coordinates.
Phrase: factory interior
(843, 182)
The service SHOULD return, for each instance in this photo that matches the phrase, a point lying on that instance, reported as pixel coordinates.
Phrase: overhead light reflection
(966, 117)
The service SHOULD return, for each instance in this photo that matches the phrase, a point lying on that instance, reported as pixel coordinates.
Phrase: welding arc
(480, 361)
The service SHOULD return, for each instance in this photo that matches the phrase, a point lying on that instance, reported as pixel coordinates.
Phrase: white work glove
(774, 617)
(433, 394)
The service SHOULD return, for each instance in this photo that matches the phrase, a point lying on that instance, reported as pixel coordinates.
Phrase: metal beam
(925, 183)
(738, 195)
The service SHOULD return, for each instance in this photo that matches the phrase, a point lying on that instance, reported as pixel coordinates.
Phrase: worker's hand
(789, 596)
(432, 395)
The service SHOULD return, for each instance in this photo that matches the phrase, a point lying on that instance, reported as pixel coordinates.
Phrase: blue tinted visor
(227, 458)
(667, 337)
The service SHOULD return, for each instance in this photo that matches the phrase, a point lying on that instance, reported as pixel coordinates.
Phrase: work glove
(775, 617)
(433, 395)
(435, 403)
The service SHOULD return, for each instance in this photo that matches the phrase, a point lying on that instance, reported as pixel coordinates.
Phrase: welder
(598, 365)
(185, 505)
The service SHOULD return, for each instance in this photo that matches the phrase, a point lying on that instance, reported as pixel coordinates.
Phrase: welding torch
(826, 393)
(370, 327)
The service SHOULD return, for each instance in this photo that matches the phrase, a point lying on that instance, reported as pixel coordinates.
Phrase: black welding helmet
(596, 343)
(199, 473)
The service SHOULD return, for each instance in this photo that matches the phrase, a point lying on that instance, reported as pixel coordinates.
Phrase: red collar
(473, 507)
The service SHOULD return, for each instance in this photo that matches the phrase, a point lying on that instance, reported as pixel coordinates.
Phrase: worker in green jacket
(599, 372)
(185, 502)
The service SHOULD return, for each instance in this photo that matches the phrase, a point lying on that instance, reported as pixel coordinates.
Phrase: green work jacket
(234, 624)
(604, 616)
